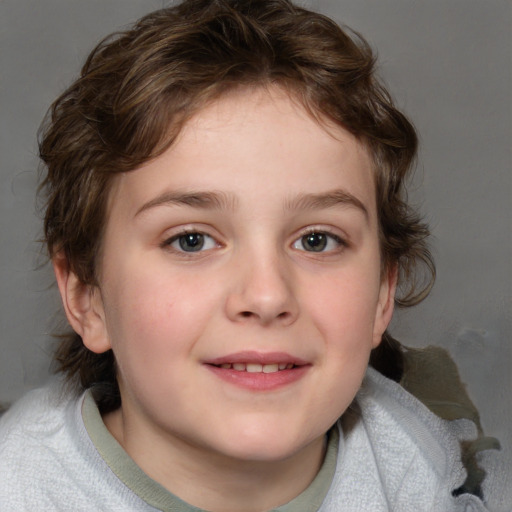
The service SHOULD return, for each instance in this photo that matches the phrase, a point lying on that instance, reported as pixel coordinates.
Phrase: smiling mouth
(256, 367)
(259, 371)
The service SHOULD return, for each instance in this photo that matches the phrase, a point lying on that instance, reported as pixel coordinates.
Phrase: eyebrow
(223, 201)
(203, 200)
(326, 200)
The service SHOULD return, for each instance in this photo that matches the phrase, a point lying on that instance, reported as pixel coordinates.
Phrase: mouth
(259, 371)
(256, 367)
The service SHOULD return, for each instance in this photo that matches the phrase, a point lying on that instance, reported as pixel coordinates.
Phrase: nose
(262, 291)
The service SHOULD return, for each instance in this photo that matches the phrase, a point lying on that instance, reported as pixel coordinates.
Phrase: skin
(263, 183)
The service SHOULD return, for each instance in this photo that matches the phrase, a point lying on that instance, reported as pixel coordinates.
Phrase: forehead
(255, 143)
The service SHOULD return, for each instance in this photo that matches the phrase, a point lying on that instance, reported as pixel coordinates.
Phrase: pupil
(314, 242)
(191, 242)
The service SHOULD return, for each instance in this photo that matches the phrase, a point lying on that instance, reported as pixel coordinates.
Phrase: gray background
(448, 65)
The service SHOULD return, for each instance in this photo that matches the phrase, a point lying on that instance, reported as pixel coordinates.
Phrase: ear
(385, 305)
(83, 306)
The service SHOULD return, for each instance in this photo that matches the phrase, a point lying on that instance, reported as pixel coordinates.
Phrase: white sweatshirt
(393, 454)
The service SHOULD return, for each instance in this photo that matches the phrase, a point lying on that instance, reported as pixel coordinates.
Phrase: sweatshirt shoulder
(34, 424)
(37, 411)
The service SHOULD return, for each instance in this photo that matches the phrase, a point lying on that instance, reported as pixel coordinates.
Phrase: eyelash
(329, 238)
(324, 238)
(168, 243)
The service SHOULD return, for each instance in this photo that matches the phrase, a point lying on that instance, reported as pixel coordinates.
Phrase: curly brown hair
(138, 88)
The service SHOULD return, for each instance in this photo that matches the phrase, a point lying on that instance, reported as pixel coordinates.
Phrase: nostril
(250, 314)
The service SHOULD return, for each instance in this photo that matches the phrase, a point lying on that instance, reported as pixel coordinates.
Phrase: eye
(318, 241)
(191, 242)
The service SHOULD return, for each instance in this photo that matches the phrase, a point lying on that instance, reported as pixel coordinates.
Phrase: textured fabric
(431, 375)
(48, 462)
(398, 456)
(394, 455)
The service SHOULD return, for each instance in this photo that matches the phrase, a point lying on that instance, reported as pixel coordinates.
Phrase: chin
(261, 452)
(265, 444)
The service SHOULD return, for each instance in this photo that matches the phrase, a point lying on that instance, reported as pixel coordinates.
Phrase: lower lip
(260, 381)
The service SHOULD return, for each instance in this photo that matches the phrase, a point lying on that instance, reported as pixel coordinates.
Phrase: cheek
(151, 329)
(150, 314)
(346, 304)
(345, 317)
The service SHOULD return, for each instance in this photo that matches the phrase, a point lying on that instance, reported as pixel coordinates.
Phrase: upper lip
(250, 356)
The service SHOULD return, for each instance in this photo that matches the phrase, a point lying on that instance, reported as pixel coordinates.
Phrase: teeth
(257, 368)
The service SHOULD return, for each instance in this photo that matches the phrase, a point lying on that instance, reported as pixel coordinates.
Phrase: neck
(213, 481)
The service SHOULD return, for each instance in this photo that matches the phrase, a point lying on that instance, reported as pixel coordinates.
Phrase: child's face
(252, 241)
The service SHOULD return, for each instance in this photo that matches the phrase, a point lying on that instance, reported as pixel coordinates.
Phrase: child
(227, 224)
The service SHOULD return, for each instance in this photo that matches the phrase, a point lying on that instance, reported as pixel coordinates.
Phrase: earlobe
(385, 304)
(83, 306)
